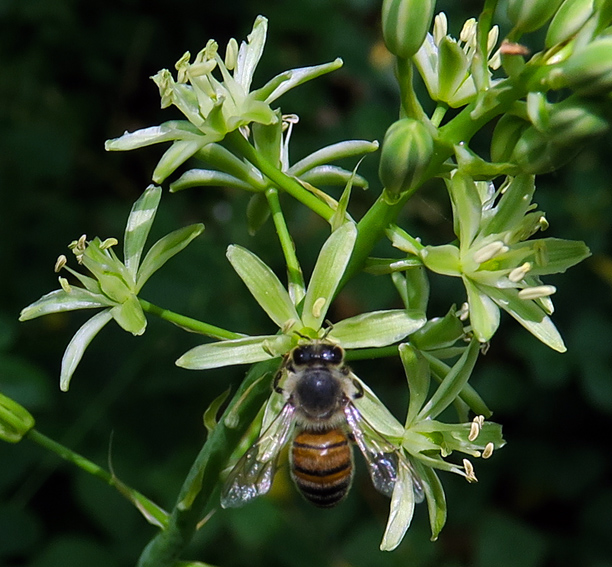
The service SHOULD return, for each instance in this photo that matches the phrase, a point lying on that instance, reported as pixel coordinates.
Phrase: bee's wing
(381, 456)
(253, 474)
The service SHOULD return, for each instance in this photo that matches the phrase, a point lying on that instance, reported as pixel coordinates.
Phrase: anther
(490, 251)
(65, 285)
(468, 467)
(488, 450)
(317, 307)
(536, 292)
(60, 263)
(108, 243)
(519, 273)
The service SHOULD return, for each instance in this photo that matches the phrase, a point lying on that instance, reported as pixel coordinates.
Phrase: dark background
(73, 74)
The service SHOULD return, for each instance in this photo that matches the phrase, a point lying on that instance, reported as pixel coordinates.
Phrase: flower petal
(78, 344)
(484, 312)
(402, 508)
(263, 284)
(340, 150)
(164, 249)
(138, 226)
(419, 377)
(328, 271)
(60, 300)
(452, 384)
(226, 353)
(378, 328)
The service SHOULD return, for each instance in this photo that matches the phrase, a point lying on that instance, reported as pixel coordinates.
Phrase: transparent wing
(253, 474)
(381, 456)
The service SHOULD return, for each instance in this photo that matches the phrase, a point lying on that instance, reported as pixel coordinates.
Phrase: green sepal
(439, 332)
(442, 259)
(15, 420)
(61, 300)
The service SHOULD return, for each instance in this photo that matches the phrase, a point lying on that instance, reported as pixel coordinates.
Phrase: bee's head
(317, 353)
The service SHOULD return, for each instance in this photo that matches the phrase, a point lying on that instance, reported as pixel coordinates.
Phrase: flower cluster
(115, 285)
(499, 267)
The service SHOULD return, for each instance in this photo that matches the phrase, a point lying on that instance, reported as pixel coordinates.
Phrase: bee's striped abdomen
(322, 466)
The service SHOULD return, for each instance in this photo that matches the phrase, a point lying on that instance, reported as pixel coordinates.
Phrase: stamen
(440, 28)
(231, 54)
(519, 273)
(536, 292)
(464, 311)
(317, 307)
(60, 263)
(469, 471)
(490, 251)
(488, 450)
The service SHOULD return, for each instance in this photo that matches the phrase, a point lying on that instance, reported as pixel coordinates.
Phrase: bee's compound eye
(302, 355)
(332, 354)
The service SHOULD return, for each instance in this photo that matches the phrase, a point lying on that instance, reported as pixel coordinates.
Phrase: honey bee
(318, 391)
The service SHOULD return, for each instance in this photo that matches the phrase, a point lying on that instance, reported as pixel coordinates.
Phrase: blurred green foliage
(73, 74)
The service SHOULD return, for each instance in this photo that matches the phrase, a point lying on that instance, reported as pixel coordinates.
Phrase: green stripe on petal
(78, 344)
(138, 226)
(484, 312)
(263, 284)
(378, 328)
(402, 508)
(328, 271)
(60, 300)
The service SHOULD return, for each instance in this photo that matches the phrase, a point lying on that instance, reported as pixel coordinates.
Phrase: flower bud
(570, 125)
(506, 134)
(589, 72)
(568, 20)
(529, 15)
(405, 24)
(406, 153)
(15, 420)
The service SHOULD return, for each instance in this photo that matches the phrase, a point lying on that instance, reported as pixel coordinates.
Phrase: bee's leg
(277, 379)
(358, 390)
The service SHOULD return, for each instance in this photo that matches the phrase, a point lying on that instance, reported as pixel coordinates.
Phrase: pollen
(60, 263)
(468, 467)
(488, 450)
(317, 307)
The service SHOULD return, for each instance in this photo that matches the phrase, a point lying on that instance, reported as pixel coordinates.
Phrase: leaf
(78, 344)
(378, 328)
(60, 300)
(263, 284)
(164, 249)
(226, 353)
(326, 275)
(138, 226)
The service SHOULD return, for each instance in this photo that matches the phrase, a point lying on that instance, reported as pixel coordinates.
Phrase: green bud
(506, 134)
(570, 125)
(589, 72)
(15, 420)
(530, 15)
(406, 153)
(405, 24)
(568, 20)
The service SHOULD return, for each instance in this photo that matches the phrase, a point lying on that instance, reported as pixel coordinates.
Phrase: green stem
(149, 509)
(203, 478)
(283, 181)
(294, 271)
(188, 323)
